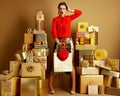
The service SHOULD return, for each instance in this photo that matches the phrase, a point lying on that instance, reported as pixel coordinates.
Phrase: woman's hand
(70, 10)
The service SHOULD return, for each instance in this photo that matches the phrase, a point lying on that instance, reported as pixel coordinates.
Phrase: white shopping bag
(62, 66)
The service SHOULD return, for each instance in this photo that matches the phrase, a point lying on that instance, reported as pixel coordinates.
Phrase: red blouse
(61, 26)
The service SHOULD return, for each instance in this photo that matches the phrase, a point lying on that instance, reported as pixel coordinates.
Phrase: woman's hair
(62, 3)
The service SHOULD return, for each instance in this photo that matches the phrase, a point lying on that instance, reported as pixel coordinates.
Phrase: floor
(59, 92)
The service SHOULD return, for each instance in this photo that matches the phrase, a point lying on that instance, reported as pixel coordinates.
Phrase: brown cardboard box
(82, 81)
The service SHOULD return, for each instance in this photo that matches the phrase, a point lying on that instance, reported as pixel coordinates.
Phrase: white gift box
(63, 66)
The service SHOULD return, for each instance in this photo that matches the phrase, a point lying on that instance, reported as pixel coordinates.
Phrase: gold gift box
(10, 87)
(32, 70)
(84, 80)
(28, 37)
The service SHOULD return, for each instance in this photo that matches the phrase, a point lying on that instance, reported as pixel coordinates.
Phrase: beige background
(17, 15)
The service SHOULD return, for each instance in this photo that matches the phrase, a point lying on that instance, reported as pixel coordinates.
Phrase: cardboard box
(29, 87)
(82, 81)
(62, 66)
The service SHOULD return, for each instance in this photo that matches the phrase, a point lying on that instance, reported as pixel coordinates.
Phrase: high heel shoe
(72, 92)
(52, 92)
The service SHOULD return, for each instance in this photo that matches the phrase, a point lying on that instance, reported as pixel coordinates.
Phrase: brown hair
(62, 3)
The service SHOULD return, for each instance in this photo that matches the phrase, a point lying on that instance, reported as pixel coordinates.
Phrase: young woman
(61, 29)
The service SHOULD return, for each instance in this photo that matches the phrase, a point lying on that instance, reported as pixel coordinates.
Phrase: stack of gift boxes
(29, 68)
(95, 71)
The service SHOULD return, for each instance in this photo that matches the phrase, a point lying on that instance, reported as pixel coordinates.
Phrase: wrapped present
(84, 80)
(85, 47)
(93, 28)
(110, 73)
(63, 66)
(82, 41)
(32, 70)
(113, 64)
(80, 34)
(99, 62)
(15, 67)
(92, 89)
(100, 54)
(82, 26)
(112, 91)
(39, 15)
(89, 58)
(10, 87)
(28, 37)
(40, 52)
(43, 87)
(29, 87)
(87, 71)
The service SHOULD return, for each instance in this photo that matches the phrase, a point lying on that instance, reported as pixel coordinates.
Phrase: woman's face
(62, 10)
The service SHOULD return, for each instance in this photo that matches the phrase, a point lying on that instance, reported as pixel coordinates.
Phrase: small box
(87, 71)
(80, 34)
(99, 62)
(92, 89)
(82, 26)
(63, 66)
(15, 67)
(86, 47)
(31, 70)
(89, 58)
(29, 87)
(83, 81)
(28, 38)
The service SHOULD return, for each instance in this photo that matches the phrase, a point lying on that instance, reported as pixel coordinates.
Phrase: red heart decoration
(62, 54)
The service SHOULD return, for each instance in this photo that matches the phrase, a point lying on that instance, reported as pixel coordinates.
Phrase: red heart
(62, 54)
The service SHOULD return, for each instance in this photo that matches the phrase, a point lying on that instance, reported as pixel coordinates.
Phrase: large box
(32, 70)
(82, 81)
(10, 87)
(62, 66)
(29, 87)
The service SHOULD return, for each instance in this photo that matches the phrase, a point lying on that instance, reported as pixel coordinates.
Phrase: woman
(61, 29)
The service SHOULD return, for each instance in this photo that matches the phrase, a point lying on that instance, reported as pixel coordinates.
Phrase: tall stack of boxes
(29, 68)
(95, 69)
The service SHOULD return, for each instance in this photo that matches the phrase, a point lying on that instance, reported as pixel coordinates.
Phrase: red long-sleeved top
(61, 26)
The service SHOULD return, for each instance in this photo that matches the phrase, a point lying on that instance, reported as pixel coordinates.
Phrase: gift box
(92, 89)
(89, 58)
(29, 87)
(28, 37)
(15, 67)
(83, 81)
(43, 87)
(82, 26)
(10, 87)
(85, 47)
(87, 71)
(32, 70)
(62, 66)
(113, 64)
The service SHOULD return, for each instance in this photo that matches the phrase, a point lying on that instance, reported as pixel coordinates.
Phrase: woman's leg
(73, 77)
(51, 77)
